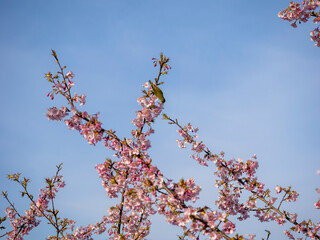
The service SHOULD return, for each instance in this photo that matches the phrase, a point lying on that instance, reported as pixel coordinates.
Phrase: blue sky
(247, 79)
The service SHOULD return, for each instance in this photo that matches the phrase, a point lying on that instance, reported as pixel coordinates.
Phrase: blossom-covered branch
(134, 175)
(234, 176)
(298, 13)
(23, 224)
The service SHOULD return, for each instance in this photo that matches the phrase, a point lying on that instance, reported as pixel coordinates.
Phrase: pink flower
(56, 114)
(294, 24)
(278, 189)
(293, 196)
(294, 217)
(82, 99)
(70, 75)
(146, 85)
(181, 144)
(228, 227)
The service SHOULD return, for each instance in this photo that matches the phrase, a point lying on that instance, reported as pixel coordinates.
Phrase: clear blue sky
(247, 79)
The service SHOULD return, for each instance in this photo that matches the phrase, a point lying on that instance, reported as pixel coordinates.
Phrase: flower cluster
(235, 176)
(23, 224)
(88, 126)
(298, 13)
(57, 114)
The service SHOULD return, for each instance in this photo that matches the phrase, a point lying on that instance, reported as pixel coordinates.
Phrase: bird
(157, 91)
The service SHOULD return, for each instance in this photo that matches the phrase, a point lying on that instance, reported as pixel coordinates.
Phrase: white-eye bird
(157, 91)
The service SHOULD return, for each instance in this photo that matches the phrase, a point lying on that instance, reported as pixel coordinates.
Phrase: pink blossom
(181, 144)
(70, 75)
(297, 13)
(228, 227)
(278, 189)
(293, 196)
(146, 85)
(56, 114)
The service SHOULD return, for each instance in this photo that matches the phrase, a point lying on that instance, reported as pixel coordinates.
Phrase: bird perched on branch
(157, 91)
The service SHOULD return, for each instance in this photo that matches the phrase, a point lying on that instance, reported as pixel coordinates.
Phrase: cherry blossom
(298, 13)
